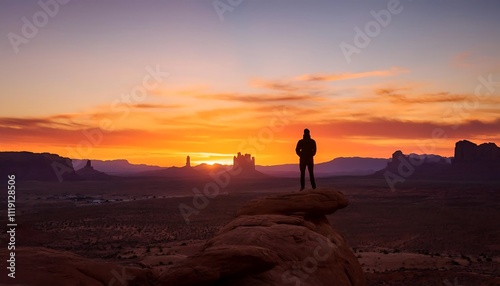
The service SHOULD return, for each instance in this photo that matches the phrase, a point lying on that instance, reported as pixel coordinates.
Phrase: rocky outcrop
(280, 240)
(36, 166)
(314, 203)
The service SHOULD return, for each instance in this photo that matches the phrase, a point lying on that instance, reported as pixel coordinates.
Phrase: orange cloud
(364, 120)
(169, 144)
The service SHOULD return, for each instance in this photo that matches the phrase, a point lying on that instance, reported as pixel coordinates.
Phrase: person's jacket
(306, 148)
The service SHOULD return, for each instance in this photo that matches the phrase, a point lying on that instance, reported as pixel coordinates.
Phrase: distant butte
(89, 173)
(467, 152)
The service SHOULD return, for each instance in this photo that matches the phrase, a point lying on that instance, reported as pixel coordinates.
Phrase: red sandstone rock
(279, 240)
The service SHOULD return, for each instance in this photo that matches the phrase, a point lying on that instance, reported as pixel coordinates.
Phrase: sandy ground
(425, 233)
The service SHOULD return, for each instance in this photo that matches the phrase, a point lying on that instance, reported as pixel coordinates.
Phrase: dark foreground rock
(279, 240)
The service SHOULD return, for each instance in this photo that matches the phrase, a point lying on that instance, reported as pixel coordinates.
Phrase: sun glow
(214, 162)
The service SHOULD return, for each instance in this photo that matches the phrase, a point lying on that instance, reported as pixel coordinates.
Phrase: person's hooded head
(307, 134)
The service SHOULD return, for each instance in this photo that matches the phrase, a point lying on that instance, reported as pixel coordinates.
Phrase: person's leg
(310, 167)
(302, 174)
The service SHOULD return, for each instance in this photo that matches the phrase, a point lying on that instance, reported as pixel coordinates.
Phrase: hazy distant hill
(339, 166)
(185, 171)
(202, 170)
(416, 166)
(116, 167)
(124, 168)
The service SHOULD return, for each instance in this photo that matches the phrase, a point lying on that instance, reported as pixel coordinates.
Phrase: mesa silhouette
(470, 162)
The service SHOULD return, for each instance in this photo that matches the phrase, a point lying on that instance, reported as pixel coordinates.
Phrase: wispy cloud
(56, 121)
(350, 75)
(155, 106)
(277, 85)
(400, 129)
(399, 96)
(462, 60)
(13, 129)
(258, 98)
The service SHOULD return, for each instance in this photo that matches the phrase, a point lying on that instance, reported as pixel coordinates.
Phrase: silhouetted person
(306, 149)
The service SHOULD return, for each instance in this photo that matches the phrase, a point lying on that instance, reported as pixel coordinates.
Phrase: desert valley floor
(423, 233)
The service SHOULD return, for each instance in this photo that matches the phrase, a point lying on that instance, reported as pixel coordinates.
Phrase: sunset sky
(248, 77)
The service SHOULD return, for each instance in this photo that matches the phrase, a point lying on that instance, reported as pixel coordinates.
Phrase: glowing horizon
(153, 82)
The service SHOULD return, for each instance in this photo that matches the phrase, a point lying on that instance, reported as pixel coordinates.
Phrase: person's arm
(314, 148)
(298, 149)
